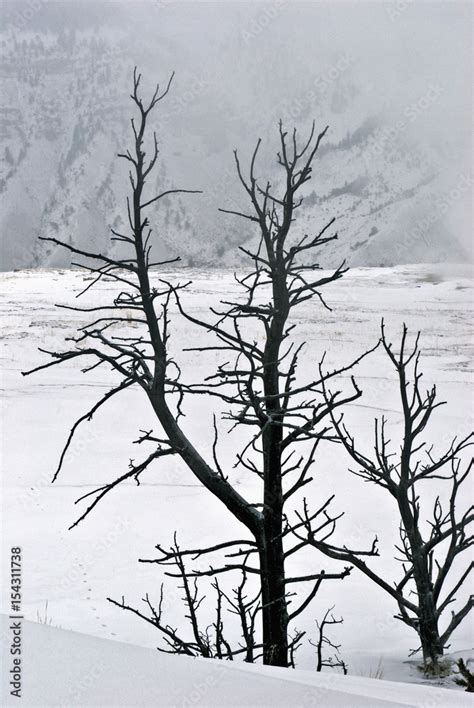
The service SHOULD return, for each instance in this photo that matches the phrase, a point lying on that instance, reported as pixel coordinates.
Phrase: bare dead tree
(257, 382)
(333, 661)
(428, 549)
(208, 640)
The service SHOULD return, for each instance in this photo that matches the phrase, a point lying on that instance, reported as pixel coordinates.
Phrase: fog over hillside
(392, 80)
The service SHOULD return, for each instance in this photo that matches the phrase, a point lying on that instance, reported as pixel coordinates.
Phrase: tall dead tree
(429, 544)
(258, 382)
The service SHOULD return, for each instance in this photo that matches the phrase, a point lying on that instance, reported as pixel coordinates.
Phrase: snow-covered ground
(74, 571)
(70, 669)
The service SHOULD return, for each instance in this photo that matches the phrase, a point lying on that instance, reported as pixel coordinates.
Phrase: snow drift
(63, 668)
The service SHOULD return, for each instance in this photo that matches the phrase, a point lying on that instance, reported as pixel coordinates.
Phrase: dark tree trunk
(428, 631)
(272, 560)
(430, 639)
(431, 644)
(274, 609)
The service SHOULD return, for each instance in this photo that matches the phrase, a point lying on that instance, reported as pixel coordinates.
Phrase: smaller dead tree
(428, 548)
(208, 640)
(335, 661)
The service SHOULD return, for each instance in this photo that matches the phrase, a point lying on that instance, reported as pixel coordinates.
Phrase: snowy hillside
(69, 669)
(69, 574)
(392, 183)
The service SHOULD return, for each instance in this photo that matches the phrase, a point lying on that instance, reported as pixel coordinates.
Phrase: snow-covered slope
(63, 668)
(65, 111)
